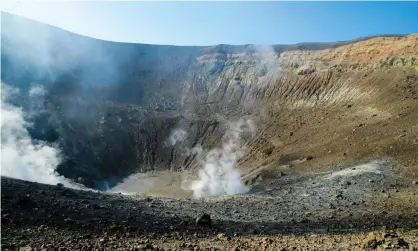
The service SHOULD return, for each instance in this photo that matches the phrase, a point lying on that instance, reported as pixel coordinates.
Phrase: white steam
(36, 107)
(22, 157)
(36, 90)
(176, 136)
(266, 53)
(218, 174)
(268, 58)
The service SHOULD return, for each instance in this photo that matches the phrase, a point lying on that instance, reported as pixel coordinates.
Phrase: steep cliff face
(112, 106)
(339, 104)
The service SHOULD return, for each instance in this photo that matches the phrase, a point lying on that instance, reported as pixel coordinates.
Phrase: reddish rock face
(364, 51)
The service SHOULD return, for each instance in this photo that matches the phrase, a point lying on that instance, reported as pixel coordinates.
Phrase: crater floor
(349, 207)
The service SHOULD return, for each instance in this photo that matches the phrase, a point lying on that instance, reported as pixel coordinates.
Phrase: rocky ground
(363, 206)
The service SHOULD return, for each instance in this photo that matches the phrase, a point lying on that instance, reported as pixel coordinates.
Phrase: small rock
(97, 206)
(204, 220)
(309, 157)
(68, 220)
(387, 246)
(223, 237)
(68, 193)
(60, 185)
(26, 248)
(390, 234)
(402, 243)
(370, 242)
(415, 182)
(267, 240)
(26, 202)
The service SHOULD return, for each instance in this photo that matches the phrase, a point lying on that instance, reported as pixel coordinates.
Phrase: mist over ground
(218, 172)
(21, 156)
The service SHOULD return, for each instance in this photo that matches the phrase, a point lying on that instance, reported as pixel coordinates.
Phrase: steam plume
(176, 136)
(36, 90)
(218, 175)
(22, 157)
(268, 58)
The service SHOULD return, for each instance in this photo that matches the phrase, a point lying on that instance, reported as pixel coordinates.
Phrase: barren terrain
(365, 206)
(331, 162)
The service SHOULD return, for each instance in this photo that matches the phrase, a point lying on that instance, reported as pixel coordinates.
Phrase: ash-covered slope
(112, 106)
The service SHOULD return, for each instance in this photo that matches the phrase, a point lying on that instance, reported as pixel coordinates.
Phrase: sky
(211, 23)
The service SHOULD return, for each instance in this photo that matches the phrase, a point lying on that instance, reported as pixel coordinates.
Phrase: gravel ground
(333, 210)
